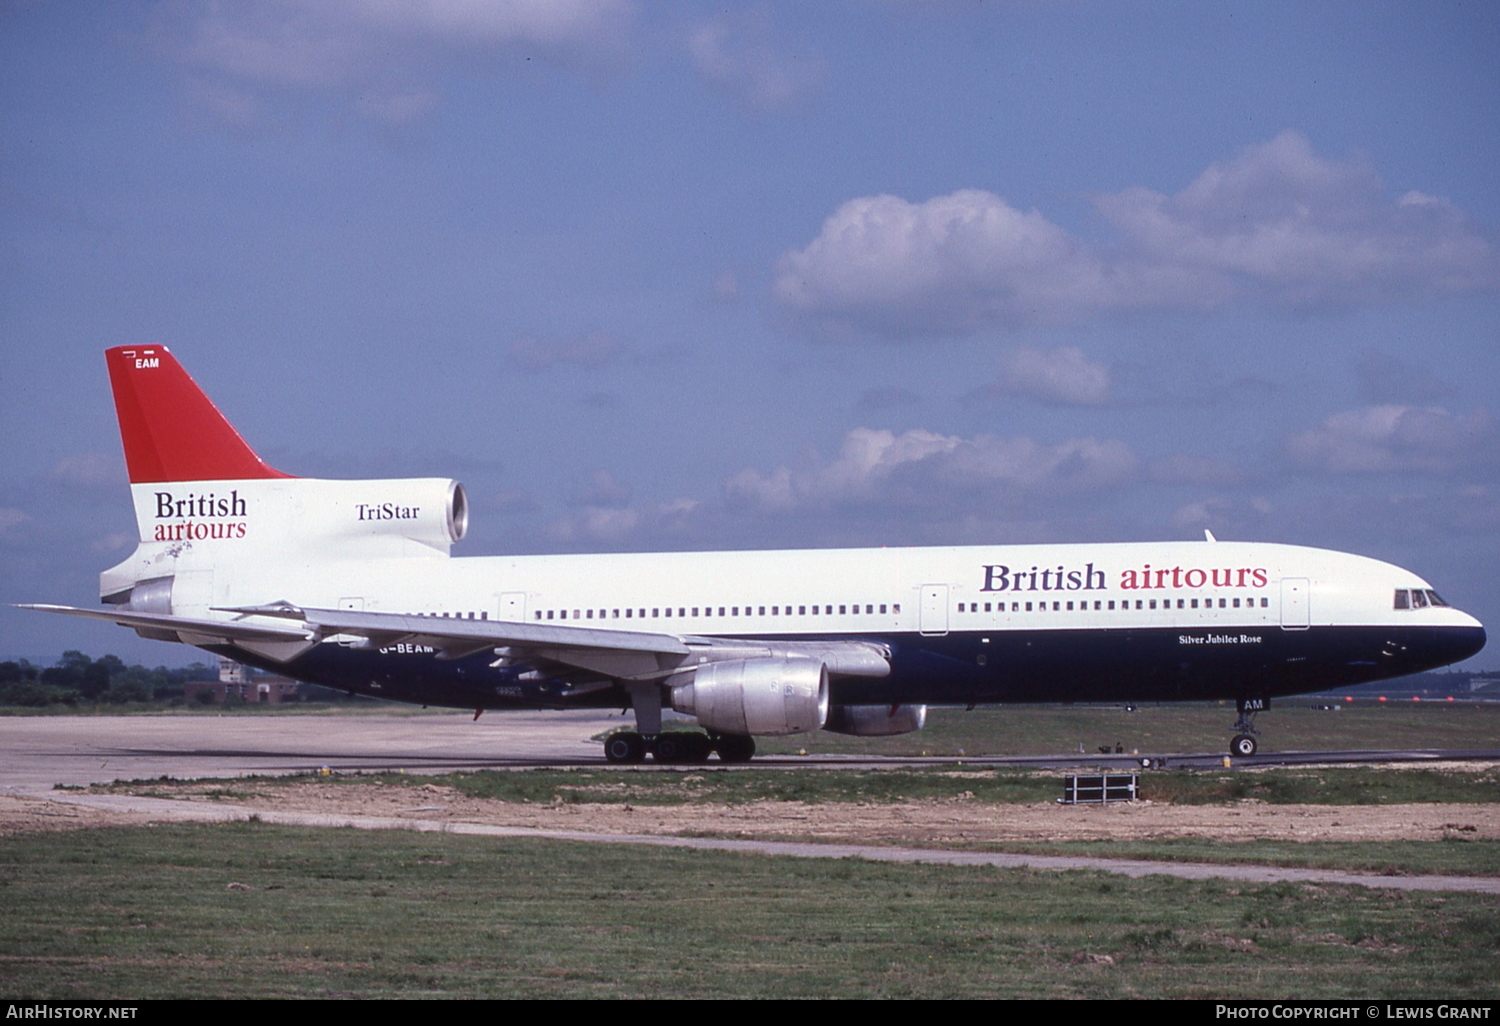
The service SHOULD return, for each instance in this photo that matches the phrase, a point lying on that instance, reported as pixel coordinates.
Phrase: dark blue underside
(1136, 665)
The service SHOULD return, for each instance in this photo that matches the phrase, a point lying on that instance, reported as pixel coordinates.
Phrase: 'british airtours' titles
(210, 511)
(998, 577)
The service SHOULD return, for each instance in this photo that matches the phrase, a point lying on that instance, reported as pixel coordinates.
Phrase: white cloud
(1195, 470)
(615, 525)
(726, 287)
(1062, 375)
(1277, 225)
(592, 350)
(922, 468)
(1284, 223)
(739, 54)
(1223, 514)
(380, 51)
(1388, 438)
(603, 489)
(10, 519)
(89, 470)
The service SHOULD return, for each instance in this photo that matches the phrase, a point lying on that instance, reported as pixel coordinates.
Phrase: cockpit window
(1418, 598)
(1435, 598)
(1402, 599)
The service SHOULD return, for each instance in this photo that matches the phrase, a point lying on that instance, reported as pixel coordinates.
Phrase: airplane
(352, 585)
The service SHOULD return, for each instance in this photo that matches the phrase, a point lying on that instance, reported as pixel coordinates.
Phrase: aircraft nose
(1462, 642)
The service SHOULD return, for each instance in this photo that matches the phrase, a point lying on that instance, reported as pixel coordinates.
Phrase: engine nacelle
(757, 696)
(876, 720)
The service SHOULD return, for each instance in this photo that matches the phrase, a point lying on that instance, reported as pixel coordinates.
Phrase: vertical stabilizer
(170, 429)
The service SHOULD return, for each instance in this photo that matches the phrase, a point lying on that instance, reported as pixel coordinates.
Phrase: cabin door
(513, 605)
(1295, 614)
(934, 609)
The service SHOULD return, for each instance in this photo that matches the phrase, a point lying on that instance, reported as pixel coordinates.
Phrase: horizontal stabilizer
(229, 630)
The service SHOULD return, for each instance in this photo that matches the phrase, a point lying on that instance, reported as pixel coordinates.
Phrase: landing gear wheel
(625, 746)
(1243, 745)
(696, 747)
(735, 747)
(682, 746)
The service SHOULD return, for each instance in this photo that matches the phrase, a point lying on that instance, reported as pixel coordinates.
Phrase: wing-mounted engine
(876, 720)
(757, 696)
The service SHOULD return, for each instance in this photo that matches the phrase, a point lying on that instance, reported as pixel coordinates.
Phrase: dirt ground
(929, 823)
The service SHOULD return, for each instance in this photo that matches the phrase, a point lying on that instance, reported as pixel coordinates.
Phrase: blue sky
(708, 275)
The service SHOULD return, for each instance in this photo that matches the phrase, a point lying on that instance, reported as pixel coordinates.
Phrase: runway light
(1348, 698)
(1382, 698)
(1450, 698)
(1416, 698)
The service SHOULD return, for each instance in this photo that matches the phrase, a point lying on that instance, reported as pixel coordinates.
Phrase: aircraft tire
(673, 747)
(696, 747)
(735, 747)
(1243, 745)
(625, 746)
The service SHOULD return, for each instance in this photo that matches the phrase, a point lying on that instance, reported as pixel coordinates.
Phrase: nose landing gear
(1244, 744)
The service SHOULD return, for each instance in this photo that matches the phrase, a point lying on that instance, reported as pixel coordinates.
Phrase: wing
(622, 655)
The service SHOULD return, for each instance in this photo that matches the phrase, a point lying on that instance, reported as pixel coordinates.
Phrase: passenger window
(896, 608)
(1028, 607)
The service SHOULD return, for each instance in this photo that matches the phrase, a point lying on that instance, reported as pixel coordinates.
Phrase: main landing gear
(1244, 744)
(671, 747)
(677, 747)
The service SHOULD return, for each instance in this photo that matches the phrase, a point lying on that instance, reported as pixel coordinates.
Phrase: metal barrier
(1099, 788)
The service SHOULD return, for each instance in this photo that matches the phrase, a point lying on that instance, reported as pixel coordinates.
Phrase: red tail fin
(171, 430)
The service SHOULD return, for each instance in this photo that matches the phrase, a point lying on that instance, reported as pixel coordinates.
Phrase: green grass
(148, 913)
(1451, 856)
(1278, 785)
(1196, 727)
(1287, 785)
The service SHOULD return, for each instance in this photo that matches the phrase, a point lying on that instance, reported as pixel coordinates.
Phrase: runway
(40, 752)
